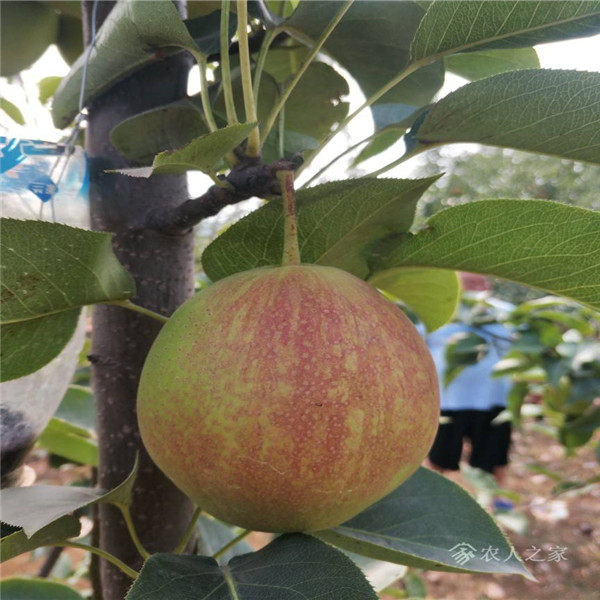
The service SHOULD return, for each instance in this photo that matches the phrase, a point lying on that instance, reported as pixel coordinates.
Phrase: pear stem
(291, 250)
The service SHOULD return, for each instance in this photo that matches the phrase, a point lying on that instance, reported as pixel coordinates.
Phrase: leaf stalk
(232, 543)
(187, 534)
(371, 100)
(132, 532)
(253, 144)
(225, 65)
(262, 57)
(314, 51)
(204, 96)
(140, 309)
(102, 554)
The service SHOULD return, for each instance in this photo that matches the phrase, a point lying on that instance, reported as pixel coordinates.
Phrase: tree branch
(248, 179)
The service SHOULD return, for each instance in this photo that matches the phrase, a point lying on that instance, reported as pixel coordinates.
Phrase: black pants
(489, 442)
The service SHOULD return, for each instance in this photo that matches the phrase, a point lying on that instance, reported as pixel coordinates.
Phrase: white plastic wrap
(28, 403)
(38, 181)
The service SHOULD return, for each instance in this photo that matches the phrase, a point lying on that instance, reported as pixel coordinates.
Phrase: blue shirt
(473, 388)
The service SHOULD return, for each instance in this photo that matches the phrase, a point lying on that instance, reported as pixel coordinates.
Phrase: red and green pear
(288, 398)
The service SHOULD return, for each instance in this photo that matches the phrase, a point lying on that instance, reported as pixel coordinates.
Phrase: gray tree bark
(162, 266)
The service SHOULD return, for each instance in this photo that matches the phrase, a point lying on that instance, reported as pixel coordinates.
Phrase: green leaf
(213, 535)
(415, 586)
(455, 26)
(20, 588)
(19, 542)
(515, 399)
(35, 507)
(381, 141)
(539, 243)
(372, 42)
(380, 574)
(168, 127)
(322, 88)
(63, 439)
(575, 488)
(200, 8)
(26, 346)
(48, 268)
(47, 87)
(66, 7)
(49, 271)
(421, 523)
(463, 350)
(127, 40)
(174, 125)
(12, 111)
(433, 294)
(293, 566)
(70, 38)
(568, 320)
(538, 110)
(541, 469)
(122, 493)
(41, 24)
(337, 222)
(284, 62)
(77, 408)
(537, 303)
(293, 144)
(579, 431)
(508, 366)
(477, 65)
(205, 29)
(204, 153)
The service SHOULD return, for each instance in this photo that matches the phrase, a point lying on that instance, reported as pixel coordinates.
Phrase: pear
(288, 398)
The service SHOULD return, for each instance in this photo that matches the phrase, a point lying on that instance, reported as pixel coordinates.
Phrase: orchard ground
(567, 521)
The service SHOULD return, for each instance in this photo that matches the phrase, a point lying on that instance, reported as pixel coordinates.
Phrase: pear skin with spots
(288, 398)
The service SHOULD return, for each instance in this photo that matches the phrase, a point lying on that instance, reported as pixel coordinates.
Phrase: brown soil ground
(577, 529)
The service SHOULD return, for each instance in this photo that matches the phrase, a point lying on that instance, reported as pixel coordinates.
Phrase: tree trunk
(163, 270)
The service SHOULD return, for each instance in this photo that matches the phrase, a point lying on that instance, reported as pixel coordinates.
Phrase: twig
(247, 179)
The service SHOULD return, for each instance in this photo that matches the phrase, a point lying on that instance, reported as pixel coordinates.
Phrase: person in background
(473, 399)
